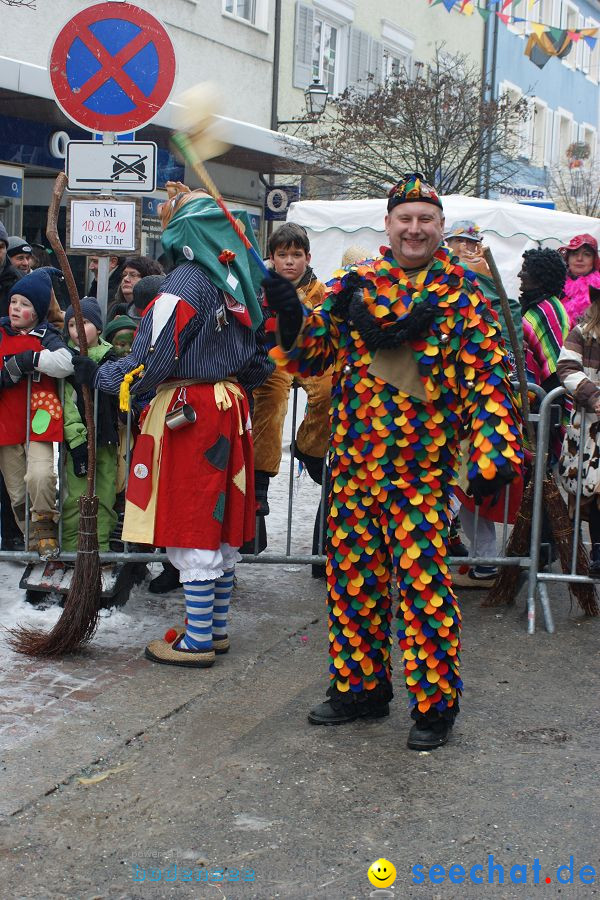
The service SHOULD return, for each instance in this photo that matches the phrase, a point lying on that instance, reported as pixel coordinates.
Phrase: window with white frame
(324, 55)
(395, 64)
(516, 141)
(519, 28)
(549, 138)
(569, 20)
(365, 62)
(543, 12)
(580, 46)
(588, 135)
(593, 56)
(398, 49)
(321, 43)
(564, 135)
(253, 12)
(539, 126)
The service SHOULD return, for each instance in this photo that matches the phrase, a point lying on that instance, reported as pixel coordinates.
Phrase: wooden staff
(516, 345)
(79, 617)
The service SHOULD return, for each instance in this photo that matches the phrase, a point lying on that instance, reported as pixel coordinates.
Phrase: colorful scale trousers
(374, 543)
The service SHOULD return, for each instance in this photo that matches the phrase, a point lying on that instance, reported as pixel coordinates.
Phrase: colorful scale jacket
(384, 437)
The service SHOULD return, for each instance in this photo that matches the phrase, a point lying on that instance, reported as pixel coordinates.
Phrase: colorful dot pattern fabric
(393, 461)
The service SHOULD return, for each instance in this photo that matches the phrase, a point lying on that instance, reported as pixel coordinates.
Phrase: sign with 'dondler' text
(103, 226)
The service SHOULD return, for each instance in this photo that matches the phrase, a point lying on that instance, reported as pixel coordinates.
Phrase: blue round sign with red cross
(112, 67)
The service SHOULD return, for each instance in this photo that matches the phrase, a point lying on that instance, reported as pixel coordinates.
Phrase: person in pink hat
(583, 273)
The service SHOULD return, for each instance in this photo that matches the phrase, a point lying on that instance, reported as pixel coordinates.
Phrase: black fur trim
(350, 306)
(433, 715)
(383, 693)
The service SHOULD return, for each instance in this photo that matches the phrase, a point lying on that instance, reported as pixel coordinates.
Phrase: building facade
(563, 95)
(229, 42)
(347, 42)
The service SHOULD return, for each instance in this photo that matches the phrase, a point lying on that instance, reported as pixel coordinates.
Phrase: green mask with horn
(200, 233)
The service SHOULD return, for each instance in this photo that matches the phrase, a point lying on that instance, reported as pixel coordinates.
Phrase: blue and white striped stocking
(223, 589)
(199, 601)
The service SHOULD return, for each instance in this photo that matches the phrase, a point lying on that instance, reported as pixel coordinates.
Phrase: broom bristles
(518, 544)
(79, 618)
(563, 533)
(505, 586)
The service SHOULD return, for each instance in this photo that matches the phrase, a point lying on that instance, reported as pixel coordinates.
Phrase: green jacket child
(75, 431)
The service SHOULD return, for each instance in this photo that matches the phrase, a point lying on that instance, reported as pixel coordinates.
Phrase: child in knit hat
(29, 346)
(119, 332)
(107, 434)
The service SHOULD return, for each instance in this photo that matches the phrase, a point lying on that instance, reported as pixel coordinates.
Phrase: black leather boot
(318, 569)
(261, 492)
(455, 544)
(12, 538)
(168, 580)
(595, 561)
(431, 729)
(332, 712)
(312, 464)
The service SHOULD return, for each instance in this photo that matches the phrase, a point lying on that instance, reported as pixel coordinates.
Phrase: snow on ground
(128, 627)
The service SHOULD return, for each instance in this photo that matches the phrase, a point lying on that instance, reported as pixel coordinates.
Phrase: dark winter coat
(9, 275)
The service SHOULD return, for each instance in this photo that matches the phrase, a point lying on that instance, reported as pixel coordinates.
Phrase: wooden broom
(79, 617)
(518, 544)
(196, 140)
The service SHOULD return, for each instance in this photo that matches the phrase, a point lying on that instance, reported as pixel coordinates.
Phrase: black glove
(6, 380)
(20, 364)
(480, 487)
(79, 455)
(282, 298)
(85, 369)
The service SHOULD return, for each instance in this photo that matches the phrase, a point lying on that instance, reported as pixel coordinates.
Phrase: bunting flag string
(545, 41)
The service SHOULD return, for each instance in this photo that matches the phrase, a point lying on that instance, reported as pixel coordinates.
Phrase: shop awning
(252, 147)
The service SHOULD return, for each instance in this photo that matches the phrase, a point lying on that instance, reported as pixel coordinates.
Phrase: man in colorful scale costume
(418, 363)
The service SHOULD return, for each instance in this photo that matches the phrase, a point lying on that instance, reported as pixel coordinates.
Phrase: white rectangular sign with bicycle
(126, 167)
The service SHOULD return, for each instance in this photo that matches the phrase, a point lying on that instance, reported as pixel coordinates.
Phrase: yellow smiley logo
(381, 873)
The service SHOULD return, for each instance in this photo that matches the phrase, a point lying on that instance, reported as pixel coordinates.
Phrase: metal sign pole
(104, 261)
(102, 284)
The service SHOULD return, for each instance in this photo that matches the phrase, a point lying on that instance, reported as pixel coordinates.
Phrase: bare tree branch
(437, 123)
(575, 186)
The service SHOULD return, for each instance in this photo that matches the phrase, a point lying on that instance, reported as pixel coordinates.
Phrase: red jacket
(46, 410)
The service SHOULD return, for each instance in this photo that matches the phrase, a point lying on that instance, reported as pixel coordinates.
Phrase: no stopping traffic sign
(112, 67)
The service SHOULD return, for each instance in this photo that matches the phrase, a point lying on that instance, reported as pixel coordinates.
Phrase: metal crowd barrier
(290, 555)
(70, 556)
(538, 580)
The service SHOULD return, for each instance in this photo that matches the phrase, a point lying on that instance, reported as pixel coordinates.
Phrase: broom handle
(187, 151)
(59, 250)
(517, 348)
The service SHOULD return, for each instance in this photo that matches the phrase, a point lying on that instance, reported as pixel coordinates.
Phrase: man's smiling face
(415, 232)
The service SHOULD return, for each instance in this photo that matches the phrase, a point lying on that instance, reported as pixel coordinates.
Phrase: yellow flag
(538, 29)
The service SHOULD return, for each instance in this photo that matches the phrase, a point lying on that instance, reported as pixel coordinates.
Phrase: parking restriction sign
(112, 67)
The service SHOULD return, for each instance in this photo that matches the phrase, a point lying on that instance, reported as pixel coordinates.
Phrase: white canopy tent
(508, 228)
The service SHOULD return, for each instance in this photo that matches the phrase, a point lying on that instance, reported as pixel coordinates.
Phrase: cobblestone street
(116, 770)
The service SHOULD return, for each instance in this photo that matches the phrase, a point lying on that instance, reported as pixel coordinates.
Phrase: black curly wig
(547, 269)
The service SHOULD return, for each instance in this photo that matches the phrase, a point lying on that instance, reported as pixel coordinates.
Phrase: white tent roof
(509, 229)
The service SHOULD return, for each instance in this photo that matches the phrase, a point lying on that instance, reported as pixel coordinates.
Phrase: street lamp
(315, 98)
